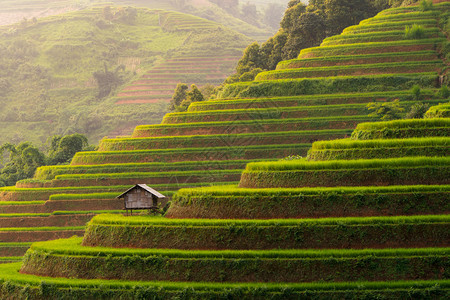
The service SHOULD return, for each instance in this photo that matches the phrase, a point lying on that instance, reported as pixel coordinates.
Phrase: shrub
(414, 32)
(385, 111)
(417, 111)
(426, 5)
(415, 90)
(444, 92)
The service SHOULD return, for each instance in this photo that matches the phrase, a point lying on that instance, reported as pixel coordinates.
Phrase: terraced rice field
(323, 227)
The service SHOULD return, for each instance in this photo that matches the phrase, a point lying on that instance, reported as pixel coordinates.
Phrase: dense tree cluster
(305, 26)
(183, 97)
(21, 161)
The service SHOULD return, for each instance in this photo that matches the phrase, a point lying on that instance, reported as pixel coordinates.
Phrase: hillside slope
(16, 11)
(366, 217)
(47, 67)
(213, 141)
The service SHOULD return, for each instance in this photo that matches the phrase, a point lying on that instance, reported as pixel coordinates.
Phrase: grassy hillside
(362, 217)
(16, 11)
(47, 66)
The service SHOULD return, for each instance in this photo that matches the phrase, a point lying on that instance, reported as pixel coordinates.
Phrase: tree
(22, 162)
(62, 149)
(307, 31)
(194, 95)
(207, 90)
(344, 13)
(417, 111)
(295, 9)
(385, 111)
(251, 59)
(178, 96)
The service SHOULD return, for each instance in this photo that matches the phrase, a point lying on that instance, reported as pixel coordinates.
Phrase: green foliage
(328, 233)
(426, 5)
(158, 264)
(49, 172)
(415, 90)
(302, 27)
(21, 163)
(415, 32)
(304, 100)
(25, 158)
(188, 154)
(368, 48)
(386, 111)
(399, 124)
(417, 111)
(15, 283)
(179, 96)
(327, 85)
(267, 113)
(319, 202)
(183, 97)
(380, 143)
(347, 122)
(388, 26)
(438, 111)
(381, 148)
(62, 149)
(444, 92)
(353, 164)
(362, 69)
(358, 59)
(48, 67)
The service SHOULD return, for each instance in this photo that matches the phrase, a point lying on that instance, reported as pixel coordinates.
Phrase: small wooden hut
(141, 196)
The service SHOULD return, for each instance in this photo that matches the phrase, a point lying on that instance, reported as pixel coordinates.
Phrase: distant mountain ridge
(47, 68)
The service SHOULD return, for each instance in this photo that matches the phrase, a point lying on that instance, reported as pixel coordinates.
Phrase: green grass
(404, 16)
(10, 273)
(265, 113)
(159, 221)
(7, 203)
(387, 26)
(362, 58)
(234, 191)
(217, 140)
(27, 194)
(11, 258)
(49, 172)
(380, 148)
(14, 229)
(59, 54)
(439, 111)
(404, 162)
(325, 233)
(187, 154)
(58, 213)
(341, 84)
(348, 70)
(390, 143)
(382, 36)
(145, 175)
(304, 100)
(409, 123)
(367, 48)
(73, 246)
(95, 196)
(226, 202)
